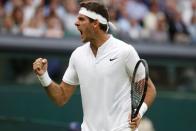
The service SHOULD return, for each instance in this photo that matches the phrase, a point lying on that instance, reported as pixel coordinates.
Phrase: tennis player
(102, 67)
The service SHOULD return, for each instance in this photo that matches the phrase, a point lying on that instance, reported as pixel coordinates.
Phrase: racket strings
(138, 89)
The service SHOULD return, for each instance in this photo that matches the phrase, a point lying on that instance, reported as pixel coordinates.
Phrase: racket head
(139, 84)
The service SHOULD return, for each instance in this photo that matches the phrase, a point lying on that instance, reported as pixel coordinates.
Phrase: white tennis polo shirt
(105, 84)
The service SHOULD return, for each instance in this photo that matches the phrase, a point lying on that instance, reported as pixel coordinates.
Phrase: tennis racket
(139, 86)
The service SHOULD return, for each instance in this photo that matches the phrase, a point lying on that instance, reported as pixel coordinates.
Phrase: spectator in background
(135, 29)
(7, 25)
(11, 4)
(54, 27)
(29, 8)
(150, 20)
(36, 26)
(169, 10)
(162, 5)
(159, 34)
(192, 29)
(113, 18)
(189, 11)
(132, 17)
(179, 30)
(2, 13)
(123, 20)
(136, 9)
(18, 20)
(70, 16)
(56, 7)
(176, 27)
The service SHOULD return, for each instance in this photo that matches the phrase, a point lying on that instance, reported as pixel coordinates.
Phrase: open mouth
(81, 33)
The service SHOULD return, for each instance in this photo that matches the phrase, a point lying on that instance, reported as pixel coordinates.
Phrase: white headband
(93, 15)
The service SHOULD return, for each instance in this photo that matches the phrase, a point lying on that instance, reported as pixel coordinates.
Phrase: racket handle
(133, 115)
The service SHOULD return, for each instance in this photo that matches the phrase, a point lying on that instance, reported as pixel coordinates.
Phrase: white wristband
(45, 79)
(143, 109)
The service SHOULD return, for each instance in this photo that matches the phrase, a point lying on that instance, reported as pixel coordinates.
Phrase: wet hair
(97, 8)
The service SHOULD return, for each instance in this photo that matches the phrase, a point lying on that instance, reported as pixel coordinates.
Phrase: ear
(96, 24)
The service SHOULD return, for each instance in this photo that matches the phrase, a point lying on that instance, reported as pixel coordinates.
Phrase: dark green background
(28, 108)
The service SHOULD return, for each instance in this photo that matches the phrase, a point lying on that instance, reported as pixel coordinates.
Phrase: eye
(80, 18)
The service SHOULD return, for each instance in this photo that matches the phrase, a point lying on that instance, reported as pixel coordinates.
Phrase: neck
(98, 40)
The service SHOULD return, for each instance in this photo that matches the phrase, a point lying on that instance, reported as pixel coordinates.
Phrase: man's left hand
(134, 123)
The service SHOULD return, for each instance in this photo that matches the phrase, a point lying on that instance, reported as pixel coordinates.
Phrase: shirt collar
(104, 47)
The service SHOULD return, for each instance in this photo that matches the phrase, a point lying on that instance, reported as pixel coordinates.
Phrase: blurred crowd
(155, 20)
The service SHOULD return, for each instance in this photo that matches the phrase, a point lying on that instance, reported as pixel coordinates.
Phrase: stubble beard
(84, 39)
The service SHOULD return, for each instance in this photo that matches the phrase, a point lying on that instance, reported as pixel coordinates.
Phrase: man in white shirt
(102, 67)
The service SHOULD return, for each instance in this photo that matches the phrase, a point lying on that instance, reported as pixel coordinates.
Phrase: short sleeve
(131, 60)
(70, 75)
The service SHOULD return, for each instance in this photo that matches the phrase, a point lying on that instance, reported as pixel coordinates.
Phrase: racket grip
(133, 114)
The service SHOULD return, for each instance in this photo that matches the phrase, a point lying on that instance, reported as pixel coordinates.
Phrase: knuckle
(38, 59)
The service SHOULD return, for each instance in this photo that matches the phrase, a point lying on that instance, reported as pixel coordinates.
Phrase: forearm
(149, 98)
(56, 93)
(59, 93)
(150, 94)
(53, 90)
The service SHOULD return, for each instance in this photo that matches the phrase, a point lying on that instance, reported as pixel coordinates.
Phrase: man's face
(85, 27)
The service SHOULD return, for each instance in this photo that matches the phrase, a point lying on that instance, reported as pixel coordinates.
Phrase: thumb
(44, 61)
(44, 64)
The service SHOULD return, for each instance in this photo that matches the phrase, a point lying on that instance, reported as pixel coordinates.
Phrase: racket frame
(144, 62)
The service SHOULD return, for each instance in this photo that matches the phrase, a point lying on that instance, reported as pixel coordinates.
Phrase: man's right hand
(40, 66)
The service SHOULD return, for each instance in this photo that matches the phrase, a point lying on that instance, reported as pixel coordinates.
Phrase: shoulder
(79, 51)
(125, 48)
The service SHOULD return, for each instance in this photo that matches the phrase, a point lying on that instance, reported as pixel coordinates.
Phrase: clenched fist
(40, 66)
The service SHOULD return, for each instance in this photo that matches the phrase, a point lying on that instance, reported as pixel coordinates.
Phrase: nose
(77, 23)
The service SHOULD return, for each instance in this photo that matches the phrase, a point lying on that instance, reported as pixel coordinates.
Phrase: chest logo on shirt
(112, 59)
